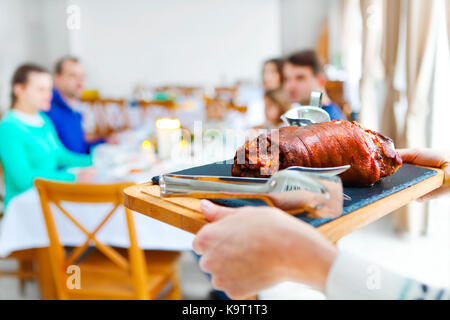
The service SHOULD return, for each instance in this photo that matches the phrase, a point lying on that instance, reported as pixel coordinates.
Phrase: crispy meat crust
(371, 155)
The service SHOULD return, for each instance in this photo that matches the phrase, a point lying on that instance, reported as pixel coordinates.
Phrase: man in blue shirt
(302, 74)
(69, 84)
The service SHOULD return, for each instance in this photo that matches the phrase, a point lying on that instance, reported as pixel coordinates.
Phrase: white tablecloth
(23, 227)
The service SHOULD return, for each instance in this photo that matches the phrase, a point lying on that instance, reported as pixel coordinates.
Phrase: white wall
(157, 42)
(57, 44)
(14, 44)
(30, 31)
(301, 22)
(198, 42)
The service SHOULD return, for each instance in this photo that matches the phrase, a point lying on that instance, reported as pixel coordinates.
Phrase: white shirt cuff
(352, 278)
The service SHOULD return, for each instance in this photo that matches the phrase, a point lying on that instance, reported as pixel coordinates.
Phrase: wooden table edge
(340, 227)
(183, 218)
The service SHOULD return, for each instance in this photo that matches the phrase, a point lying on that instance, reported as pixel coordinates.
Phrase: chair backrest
(55, 193)
(109, 115)
(188, 91)
(323, 42)
(170, 104)
(179, 90)
(226, 93)
(241, 109)
(228, 106)
(335, 90)
(156, 108)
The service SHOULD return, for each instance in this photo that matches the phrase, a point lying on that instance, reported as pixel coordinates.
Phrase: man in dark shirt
(302, 74)
(69, 84)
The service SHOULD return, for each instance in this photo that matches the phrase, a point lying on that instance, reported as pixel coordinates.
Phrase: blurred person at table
(216, 114)
(272, 74)
(303, 74)
(221, 116)
(276, 104)
(30, 147)
(68, 87)
(253, 97)
(268, 246)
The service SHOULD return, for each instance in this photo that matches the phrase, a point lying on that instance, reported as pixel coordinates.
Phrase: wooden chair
(2, 188)
(323, 43)
(188, 91)
(109, 115)
(169, 104)
(179, 90)
(229, 106)
(226, 93)
(25, 259)
(163, 89)
(145, 106)
(241, 109)
(26, 269)
(105, 273)
(335, 90)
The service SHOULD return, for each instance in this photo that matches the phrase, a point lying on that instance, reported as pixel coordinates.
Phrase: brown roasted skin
(371, 155)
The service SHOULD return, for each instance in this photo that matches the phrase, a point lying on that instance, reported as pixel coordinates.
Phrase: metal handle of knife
(189, 184)
(172, 185)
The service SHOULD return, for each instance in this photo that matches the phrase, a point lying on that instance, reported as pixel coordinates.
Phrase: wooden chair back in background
(143, 283)
(25, 259)
(226, 93)
(228, 106)
(241, 109)
(179, 90)
(335, 91)
(145, 106)
(109, 115)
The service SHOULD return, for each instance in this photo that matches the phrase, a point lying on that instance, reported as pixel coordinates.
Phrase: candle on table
(148, 151)
(168, 132)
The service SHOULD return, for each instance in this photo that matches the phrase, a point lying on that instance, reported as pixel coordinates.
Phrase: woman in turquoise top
(29, 145)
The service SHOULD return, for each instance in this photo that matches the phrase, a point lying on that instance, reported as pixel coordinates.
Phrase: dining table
(23, 228)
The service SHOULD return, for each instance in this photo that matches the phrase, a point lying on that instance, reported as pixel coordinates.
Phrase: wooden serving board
(367, 205)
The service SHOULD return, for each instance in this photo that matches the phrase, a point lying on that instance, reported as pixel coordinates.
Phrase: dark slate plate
(406, 177)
